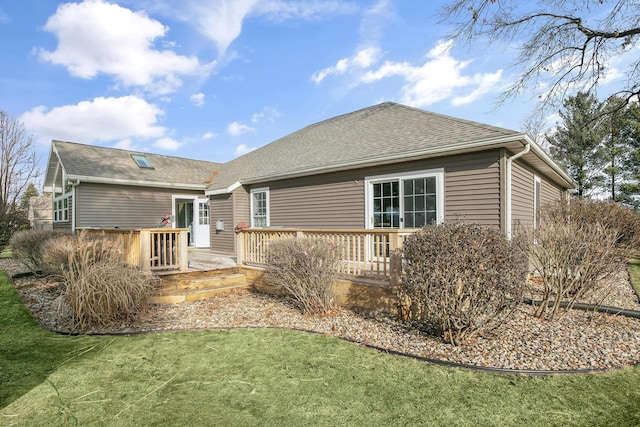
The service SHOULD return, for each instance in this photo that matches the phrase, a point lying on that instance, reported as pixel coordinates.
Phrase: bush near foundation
(461, 279)
(28, 247)
(575, 248)
(100, 288)
(305, 269)
(608, 214)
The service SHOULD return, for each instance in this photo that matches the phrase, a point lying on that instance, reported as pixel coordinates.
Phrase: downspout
(510, 160)
(73, 204)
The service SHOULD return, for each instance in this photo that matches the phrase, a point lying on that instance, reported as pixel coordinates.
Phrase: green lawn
(273, 377)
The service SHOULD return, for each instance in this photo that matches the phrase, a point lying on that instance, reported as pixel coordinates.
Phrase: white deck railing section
(364, 253)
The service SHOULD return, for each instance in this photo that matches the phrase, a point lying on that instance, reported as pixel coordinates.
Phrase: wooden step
(190, 295)
(202, 282)
(177, 290)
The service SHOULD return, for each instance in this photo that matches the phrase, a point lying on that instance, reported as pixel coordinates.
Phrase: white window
(260, 207)
(203, 212)
(409, 200)
(537, 190)
(61, 209)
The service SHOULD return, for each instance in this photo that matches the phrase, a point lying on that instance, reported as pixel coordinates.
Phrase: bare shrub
(305, 268)
(100, 288)
(572, 258)
(462, 278)
(28, 247)
(608, 214)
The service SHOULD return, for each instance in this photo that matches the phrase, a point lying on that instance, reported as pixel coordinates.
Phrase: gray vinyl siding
(108, 206)
(222, 209)
(551, 193)
(325, 201)
(337, 200)
(522, 188)
(472, 189)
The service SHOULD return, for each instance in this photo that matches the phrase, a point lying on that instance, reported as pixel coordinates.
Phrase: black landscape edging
(589, 307)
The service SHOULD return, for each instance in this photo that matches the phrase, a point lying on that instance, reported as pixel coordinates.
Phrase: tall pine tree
(577, 144)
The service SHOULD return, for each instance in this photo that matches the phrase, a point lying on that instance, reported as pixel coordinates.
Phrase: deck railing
(152, 249)
(364, 253)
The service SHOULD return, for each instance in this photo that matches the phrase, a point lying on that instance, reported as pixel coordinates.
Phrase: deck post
(145, 250)
(183, 251)
(395, 258)
(239, 248)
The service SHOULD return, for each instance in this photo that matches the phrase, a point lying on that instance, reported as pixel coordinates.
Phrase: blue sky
(213, 79)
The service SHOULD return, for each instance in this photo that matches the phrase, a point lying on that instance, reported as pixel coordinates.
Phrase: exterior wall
(522, 188)
(472, 189)
(337, 200)
(221, 206)
(522, 194)
(124, 206)
(551, 193)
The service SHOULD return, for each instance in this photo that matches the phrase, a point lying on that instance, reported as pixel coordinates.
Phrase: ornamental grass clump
(461, 279)
(100, 288)
(28, 247)
(305, 269)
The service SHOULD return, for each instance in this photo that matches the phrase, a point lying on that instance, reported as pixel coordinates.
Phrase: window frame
(537, 199)
(61, 213)
(142, 161)
(438, 173)
(252, 206)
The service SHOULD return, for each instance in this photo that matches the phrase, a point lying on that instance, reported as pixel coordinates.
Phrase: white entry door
(201, 223)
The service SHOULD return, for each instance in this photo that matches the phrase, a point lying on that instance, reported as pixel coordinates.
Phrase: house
(40, 213)
(98, 187)
(387, 166)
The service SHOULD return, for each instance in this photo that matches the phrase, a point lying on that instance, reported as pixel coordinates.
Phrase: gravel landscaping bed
(580, 340)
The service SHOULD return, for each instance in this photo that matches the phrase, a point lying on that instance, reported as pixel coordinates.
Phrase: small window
(142, 161)
(260, 207)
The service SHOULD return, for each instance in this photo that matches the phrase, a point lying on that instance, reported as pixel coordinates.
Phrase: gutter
(510, 160)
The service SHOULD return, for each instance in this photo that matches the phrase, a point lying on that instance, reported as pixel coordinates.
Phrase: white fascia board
(98, 180)
(223, 190)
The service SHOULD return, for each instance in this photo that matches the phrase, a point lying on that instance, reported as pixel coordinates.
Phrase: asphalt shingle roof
(99, 162)
(382, 131)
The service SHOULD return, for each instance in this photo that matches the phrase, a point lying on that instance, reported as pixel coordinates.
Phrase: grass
(273, 377)
(634, 272)
(6, 253)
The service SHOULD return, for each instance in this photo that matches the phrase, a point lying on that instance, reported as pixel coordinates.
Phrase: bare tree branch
(564, 46)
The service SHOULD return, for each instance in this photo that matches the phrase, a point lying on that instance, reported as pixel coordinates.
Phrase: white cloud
(362, 59)
(237, 128)
(198, 99)
(98, 37)
(243, 149)
(102, 119)
(220, 20)
(267, 113)
(168, 144)
(209, 135)
(278, 10)
(440, 77)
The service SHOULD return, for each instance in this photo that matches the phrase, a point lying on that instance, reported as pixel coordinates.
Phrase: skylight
(142, 161)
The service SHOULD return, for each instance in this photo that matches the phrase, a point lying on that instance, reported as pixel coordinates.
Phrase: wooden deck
(207, 275)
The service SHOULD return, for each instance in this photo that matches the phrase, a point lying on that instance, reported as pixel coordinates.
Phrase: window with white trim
(410, 200)
(537, 199)
(260, 207)
(203, 212)
(61, 209)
